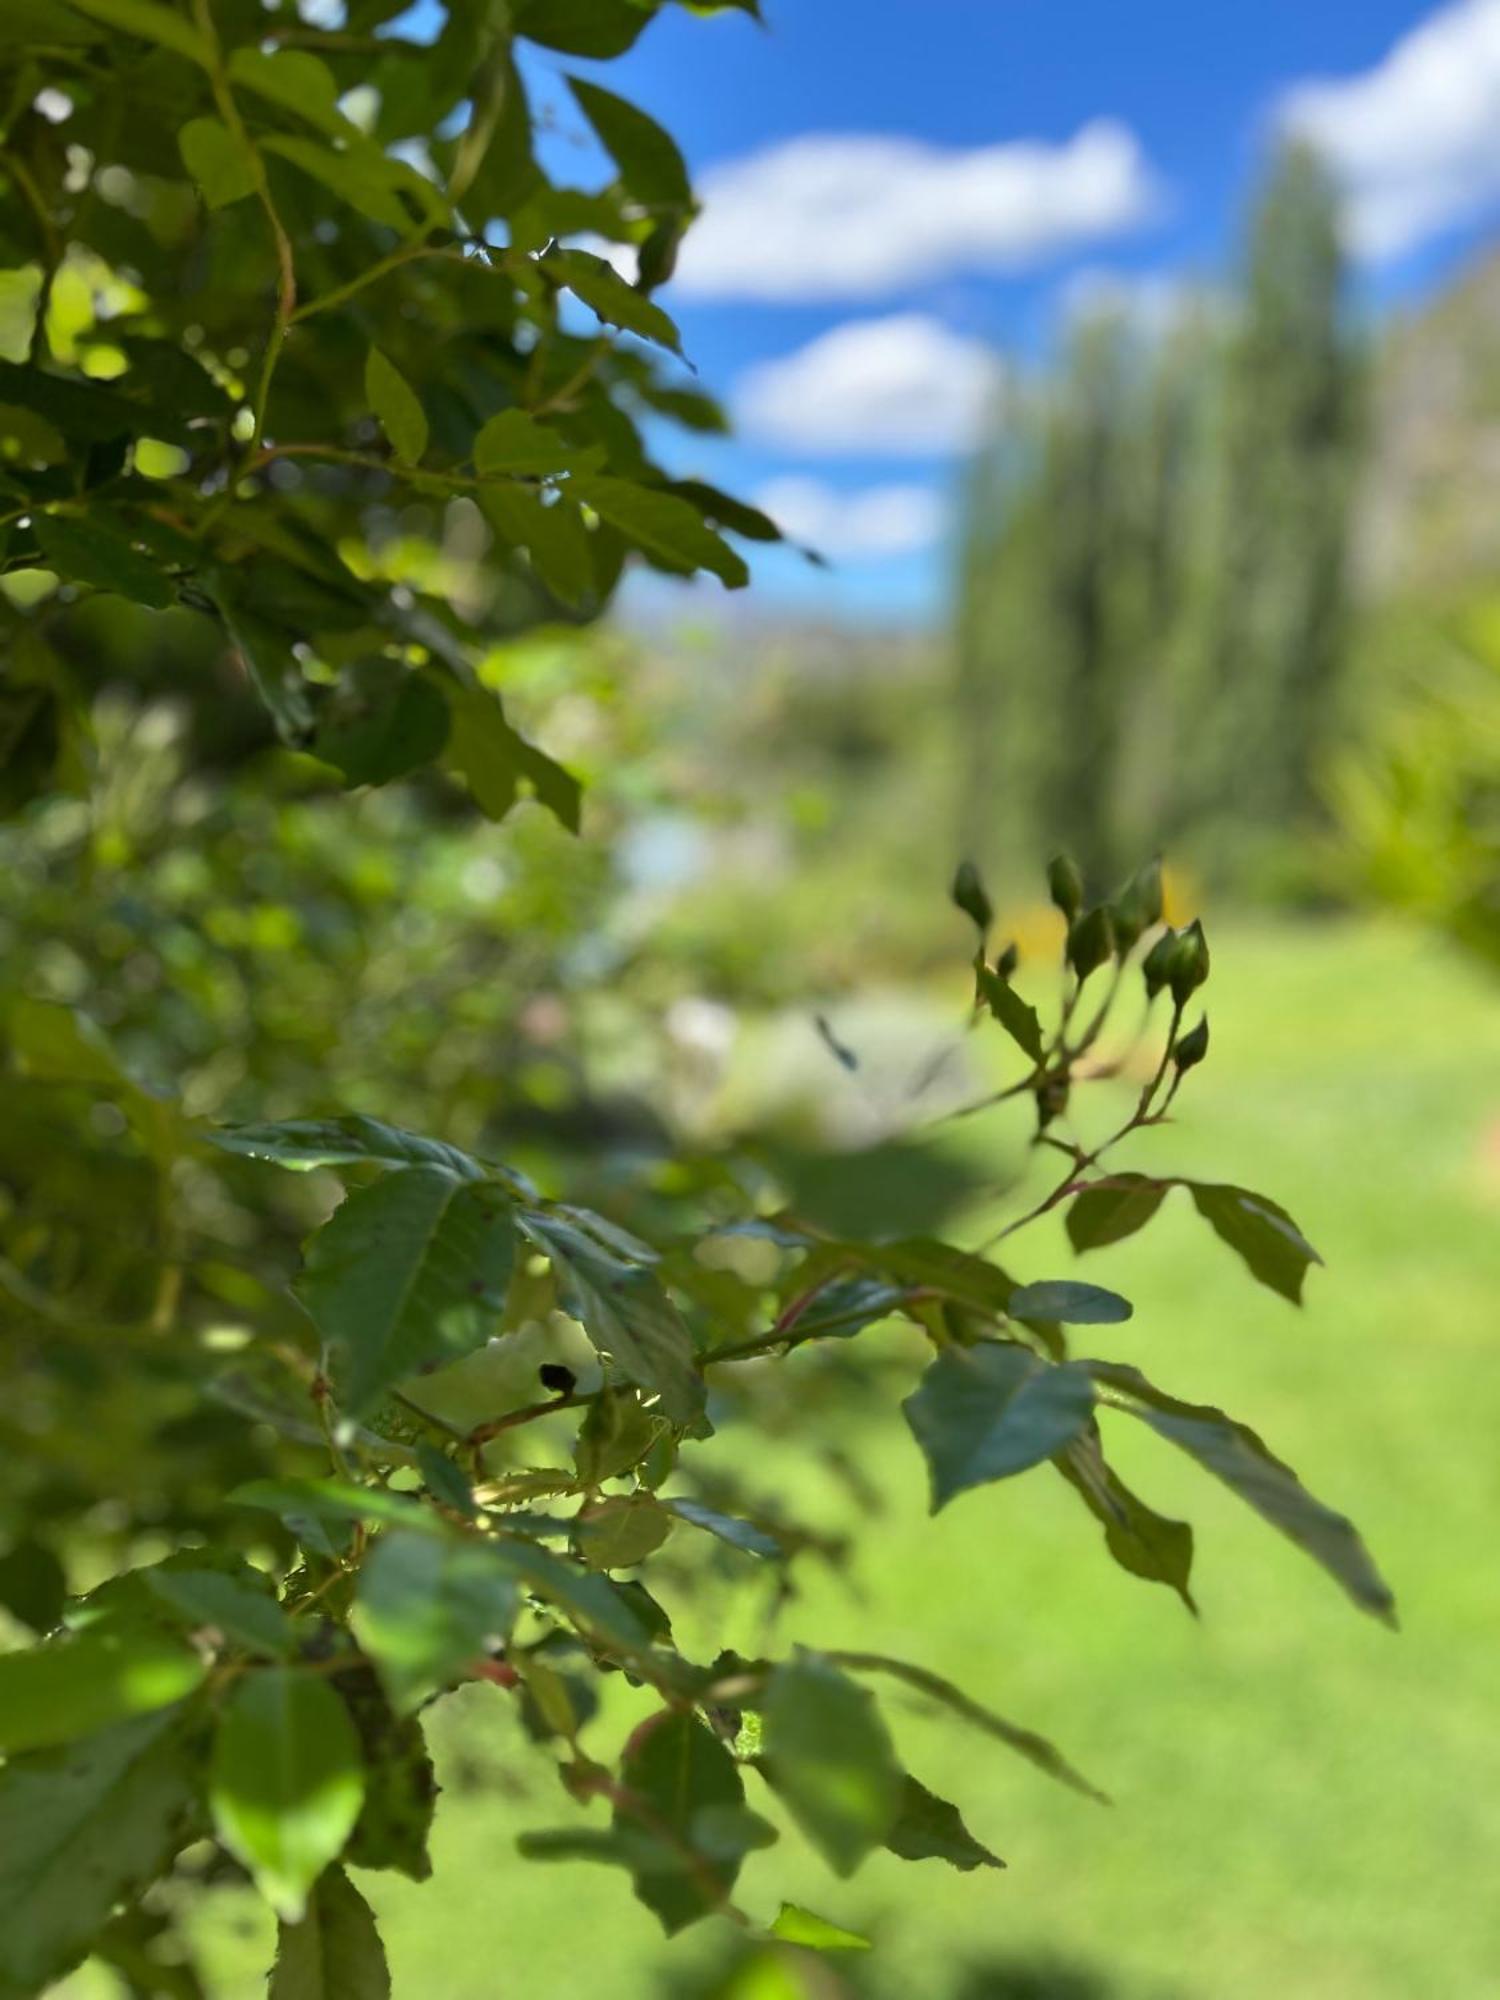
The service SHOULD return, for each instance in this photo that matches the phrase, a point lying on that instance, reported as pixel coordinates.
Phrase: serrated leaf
(1068, 1303)
(82, 1829)
(71, 1687)
(1234, 1454)
(623, 1309)
(426, 1609)
(223, 169)
(244, 1615)
(739, 1534)
(334, 1952)
(662, 525)
(304, 1143)
(1035, 1749)
(336, 1500)
(286, 1781)
(398, 407)
(407, 1273)
(91, 551)
(617, 1432)
(795, 1925)
(359, 177)
(990, 1411)
(930, 1829)
(401, 1788)
(590, 1601)
(828, 1755)
(1111, 1210)
(272, 666)
(676, 1775)
(621, 1531)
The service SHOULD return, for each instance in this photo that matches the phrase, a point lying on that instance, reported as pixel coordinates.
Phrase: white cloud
(878, 521)
(905, 386)
(1415, 140)
(859, 216)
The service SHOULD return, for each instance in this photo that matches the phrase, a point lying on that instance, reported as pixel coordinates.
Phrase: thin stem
(408, 253)
(286, 287)
(1083, 1160)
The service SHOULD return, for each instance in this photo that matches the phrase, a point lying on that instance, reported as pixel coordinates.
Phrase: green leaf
(795, 1925)
(83, 1829)
(398, 407)
(623, 1309)
(650, 165)
(661, 524)
(223, 169)
(1145, 1543)
(382, 722)
(1263, 1234)
(1109, 1211)
(272, 665)
(621, 1531)
(286, 1782)
(395, 1822)
(336, 1500)
(303, 1143)
(583, 27)
(739, 1534)
(91, 551)
(295, 80)
(929, 1829)
(361, 178)
(829, 1756)
(496, 761)
(246, 1616)
(151, 22)
(607, 295)
(1020, 1021)
(85, 412)
(553, 535)
(676, 1775)
(427, 1609)
(1025, 1742)
(334, 1951)
(990, 1411)
(513, 445)
(617, 1432)
(1233, 1453)
(73, 1686)
(408, 1272)
(33, 1585)
(1065, 1301)
(591, 1602)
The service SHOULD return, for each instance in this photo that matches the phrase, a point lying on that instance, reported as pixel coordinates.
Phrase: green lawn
(1307, 1807)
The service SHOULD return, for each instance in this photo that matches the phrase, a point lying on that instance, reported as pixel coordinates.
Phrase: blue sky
(897, 191)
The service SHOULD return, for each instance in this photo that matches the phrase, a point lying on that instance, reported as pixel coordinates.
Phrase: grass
(1306, 1805)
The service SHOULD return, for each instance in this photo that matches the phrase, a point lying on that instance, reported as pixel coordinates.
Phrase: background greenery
(1304, 1803)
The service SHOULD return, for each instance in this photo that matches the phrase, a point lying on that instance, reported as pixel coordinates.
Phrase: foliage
(266, 1507)
(1152, 625)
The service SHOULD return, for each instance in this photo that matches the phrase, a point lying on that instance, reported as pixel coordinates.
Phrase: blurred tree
(1292, 426)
